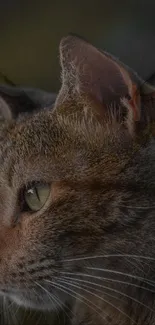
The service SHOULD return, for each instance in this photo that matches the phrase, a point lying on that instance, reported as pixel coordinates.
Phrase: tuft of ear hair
(86, 71)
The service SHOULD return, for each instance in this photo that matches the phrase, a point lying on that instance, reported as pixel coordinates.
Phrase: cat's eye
(35, 196)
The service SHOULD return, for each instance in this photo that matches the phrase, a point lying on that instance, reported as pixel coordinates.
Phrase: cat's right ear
(15, 101)
(88, 72)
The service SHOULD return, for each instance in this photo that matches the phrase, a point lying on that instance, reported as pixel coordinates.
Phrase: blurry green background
(30, 32)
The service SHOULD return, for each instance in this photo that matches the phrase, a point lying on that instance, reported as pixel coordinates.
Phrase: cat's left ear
(16, 100)
(88, 71)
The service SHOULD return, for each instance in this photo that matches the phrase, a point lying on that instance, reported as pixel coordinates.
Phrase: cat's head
(76, 181)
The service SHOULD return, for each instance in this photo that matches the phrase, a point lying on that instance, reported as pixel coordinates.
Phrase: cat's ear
(88, 71)
(15, 100)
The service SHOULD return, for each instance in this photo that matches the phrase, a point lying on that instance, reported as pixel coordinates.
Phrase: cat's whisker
(91, 285)
(6, 314)
(133, 259)
(79, 297)
(109, 255)
(30, 315)
(14, 312)
(144, 280)
(24, 317)
(127, 296)
(133, 207)
(109, 280)
(123, 273)
(137, 264)
(37, 322)
(3, 309)
(99, 297)
(63, 307)
(51, 297)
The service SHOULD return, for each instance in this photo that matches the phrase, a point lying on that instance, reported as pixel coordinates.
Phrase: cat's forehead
(50, 146)
(28, 140)
(31, 131)
(38, 147)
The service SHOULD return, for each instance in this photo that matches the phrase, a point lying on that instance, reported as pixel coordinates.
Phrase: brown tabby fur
(92, 246)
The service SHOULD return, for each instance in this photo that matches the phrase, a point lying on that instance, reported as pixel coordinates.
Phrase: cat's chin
(42, 302)
(37, 305)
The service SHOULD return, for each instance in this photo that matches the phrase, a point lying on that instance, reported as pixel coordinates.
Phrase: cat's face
(68, 180)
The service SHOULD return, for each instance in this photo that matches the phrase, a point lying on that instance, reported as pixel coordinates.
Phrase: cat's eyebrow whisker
(101, 298)
(107, 256)
(108, 280)
(78, 297)
(151, 283)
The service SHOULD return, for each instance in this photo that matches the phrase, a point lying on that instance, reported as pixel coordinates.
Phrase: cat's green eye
(35, 196)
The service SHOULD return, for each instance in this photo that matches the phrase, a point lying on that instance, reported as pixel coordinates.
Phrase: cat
(77, 184)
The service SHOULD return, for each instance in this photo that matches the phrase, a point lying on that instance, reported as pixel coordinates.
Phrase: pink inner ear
(87, 70)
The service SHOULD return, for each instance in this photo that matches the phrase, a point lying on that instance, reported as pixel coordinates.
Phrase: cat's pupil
(33, 191)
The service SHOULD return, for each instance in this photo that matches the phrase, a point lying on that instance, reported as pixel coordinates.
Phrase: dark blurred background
(30, 32)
